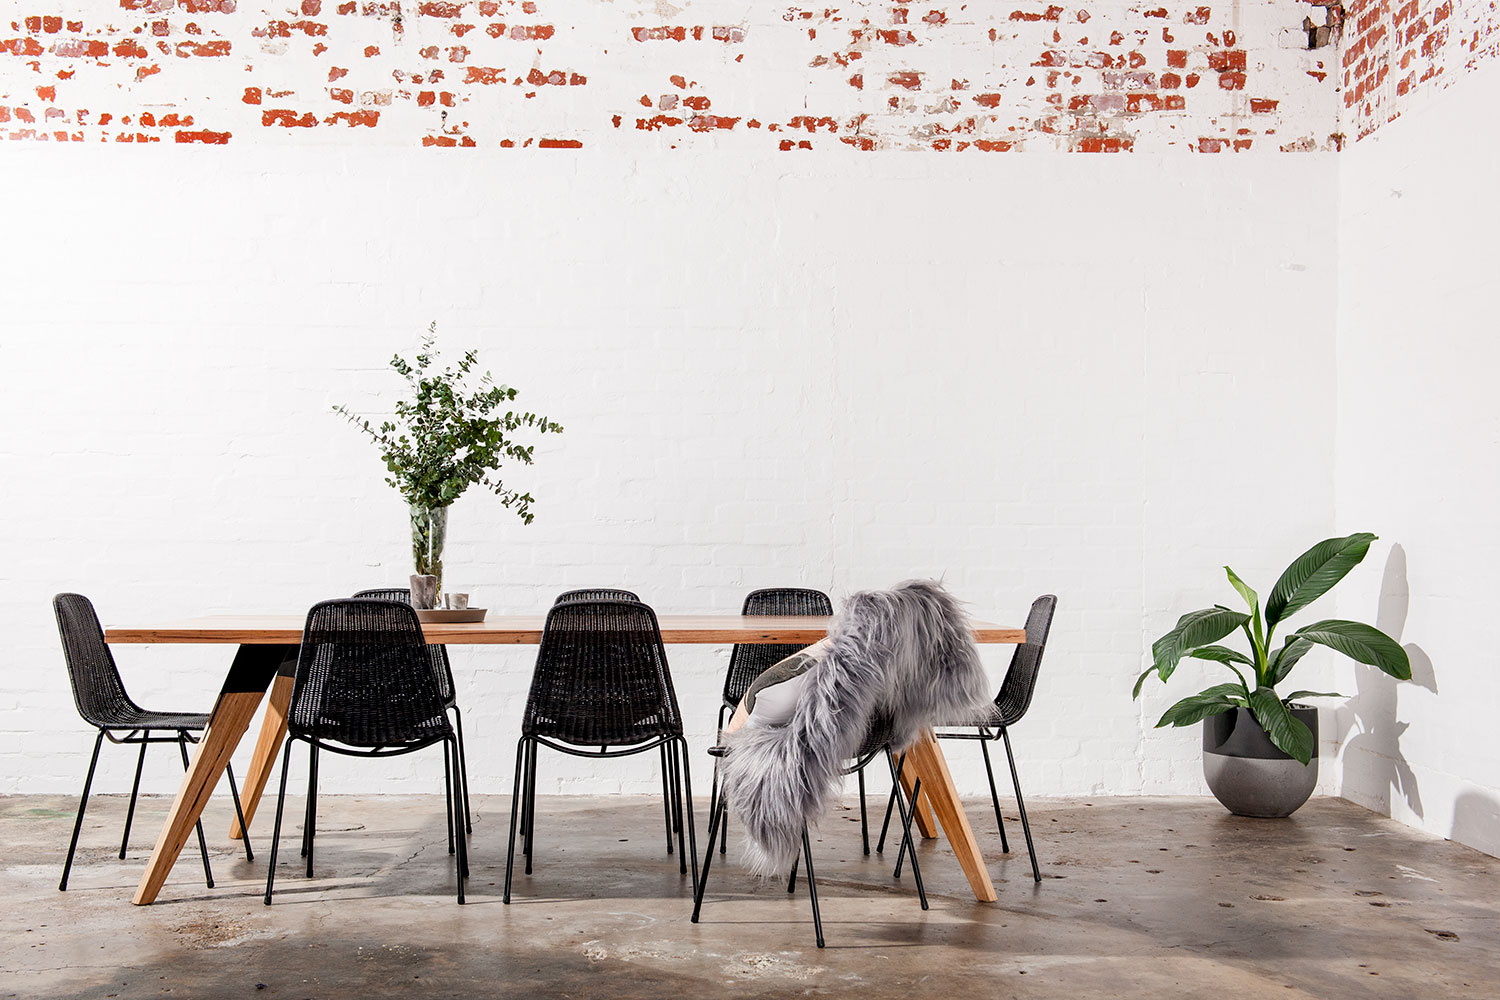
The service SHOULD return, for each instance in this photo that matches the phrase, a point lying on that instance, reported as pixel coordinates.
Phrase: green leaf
(1194, 629)
(1136, 693)
(1221, 654)
(1285, 730)
(1286, 658)
(1314, 573)
(1312, 694)
(1364, 643)
(1195, 708)
(1251, 598)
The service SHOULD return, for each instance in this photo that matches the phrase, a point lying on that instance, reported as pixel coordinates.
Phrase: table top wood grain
(510, 630)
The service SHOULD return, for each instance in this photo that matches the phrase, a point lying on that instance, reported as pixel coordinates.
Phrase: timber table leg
(927, 762)
(267, 748)
(249, 675)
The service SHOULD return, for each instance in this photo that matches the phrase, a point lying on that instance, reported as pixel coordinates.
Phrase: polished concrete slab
(1140, 897)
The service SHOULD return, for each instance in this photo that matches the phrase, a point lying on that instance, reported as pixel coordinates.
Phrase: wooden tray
(450, 616)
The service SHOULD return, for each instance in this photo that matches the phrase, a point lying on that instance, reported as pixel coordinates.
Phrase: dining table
(266, 660)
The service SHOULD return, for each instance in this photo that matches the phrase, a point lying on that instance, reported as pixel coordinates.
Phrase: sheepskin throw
(907, 654)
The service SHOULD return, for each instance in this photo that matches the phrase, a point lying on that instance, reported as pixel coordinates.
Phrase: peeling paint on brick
(1116, 76)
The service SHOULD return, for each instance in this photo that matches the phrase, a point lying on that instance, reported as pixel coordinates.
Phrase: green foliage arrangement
(449, 434)
(1309, 577)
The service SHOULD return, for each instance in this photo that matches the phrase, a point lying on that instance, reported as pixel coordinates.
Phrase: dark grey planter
(1248, 773)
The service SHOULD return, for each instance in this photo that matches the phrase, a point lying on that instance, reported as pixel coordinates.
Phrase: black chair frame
(1011, 704)
(615, 640)
(99, 693)
(720, 810)
(144, 738)
(444, 669)
(366, 687)
(748, 659)
(309, 836)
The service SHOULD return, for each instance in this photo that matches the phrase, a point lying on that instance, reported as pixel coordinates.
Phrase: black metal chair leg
(83, 799)
(234, 793)
(448, 790)
(463, 768)
(791, 882)
(897, 764)
(677, 764)
(208, 873)
(455, 797)
(687, 807)
(666, 794)
(812, 887)
(984, 747)
(911, 845)
(911, 805)
(864, 819)
(906, 820)
(286, 760)
(708, 856)
(530, 807)
(515, 814)
(307, 820)
(310, 833)
(135, 788)
(1036, 873)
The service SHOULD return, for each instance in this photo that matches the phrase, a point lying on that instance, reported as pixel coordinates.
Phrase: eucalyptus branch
(449, 433)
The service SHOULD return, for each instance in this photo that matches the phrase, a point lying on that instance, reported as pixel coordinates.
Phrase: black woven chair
(1010, 705)
(876, 743)
(617, 594)
(100, 696)
(365, 687)
(748, 660)
(442, 671)
(601, 680)
(596, 594)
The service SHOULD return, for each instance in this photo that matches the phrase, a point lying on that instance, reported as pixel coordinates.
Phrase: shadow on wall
(1378, 767)
(1476, 822)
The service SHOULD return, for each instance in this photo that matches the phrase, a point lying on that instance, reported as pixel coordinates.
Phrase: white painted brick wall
(1419, 440)
(1023, 375)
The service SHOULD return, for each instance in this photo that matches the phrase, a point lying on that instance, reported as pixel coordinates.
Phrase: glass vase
(429, 530)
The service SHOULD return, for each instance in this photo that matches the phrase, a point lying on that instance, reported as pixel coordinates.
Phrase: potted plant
(446, 436)
(1260, 749)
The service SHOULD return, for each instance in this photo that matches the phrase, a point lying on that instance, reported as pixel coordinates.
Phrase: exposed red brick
(1199, 16)
(366, 117)
(437, 8)
(907, 79)
(559, 144)
(987, 100)
(674, 34)
(288, 119)
(204, 136)
(205, 49)
(1263, 105)
(484, 74)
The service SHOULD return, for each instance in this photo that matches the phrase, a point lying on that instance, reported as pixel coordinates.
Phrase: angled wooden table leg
(249, 675)
(926, 824)
(928, 763)
(272, 733)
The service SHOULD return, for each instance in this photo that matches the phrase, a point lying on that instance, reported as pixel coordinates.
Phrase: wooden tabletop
(510, 630)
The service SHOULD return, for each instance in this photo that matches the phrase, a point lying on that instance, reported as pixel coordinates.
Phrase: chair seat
(139, 718)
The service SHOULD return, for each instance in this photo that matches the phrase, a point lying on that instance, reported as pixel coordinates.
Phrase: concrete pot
(1248, 774)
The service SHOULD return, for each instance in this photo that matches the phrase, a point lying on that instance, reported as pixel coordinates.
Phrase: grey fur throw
(906, 653)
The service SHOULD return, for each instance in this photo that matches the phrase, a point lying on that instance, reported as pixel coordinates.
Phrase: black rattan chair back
(596, 594)
(1020, 680)
(439, 654)
(97, 688)
(749, 660)
(601, 677)
(365, 679)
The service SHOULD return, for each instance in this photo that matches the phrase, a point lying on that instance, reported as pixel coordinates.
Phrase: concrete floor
(1140, 897)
